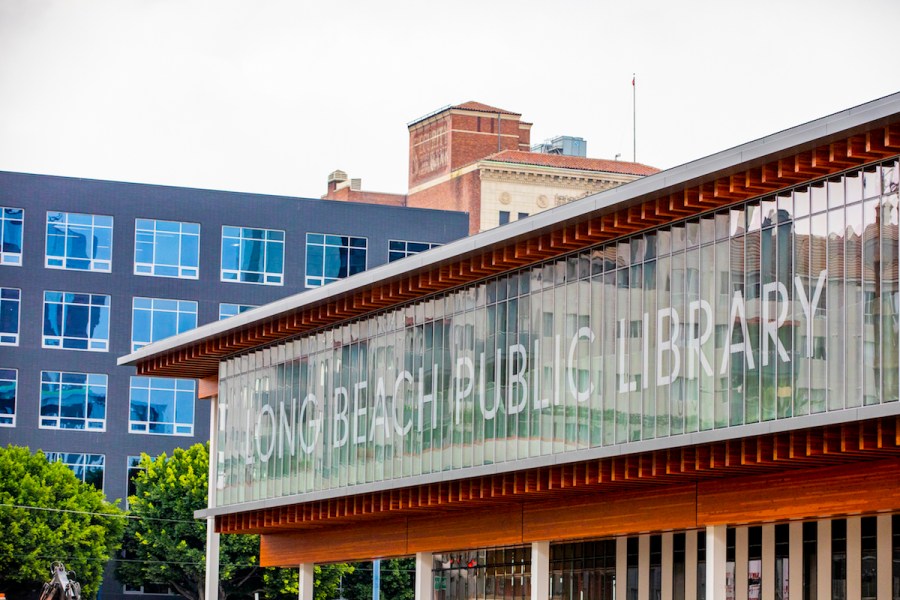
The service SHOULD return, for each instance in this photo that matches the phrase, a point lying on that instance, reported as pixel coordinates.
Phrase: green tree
(73, 524)
(165, 544)
(398, 578)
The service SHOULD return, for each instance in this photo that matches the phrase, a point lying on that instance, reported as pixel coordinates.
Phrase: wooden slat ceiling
(202, 358)
(823, 446)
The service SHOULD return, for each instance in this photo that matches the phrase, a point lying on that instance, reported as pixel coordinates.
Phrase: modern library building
(684, 387)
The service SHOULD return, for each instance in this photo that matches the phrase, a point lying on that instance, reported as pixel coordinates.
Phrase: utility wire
(96, 514)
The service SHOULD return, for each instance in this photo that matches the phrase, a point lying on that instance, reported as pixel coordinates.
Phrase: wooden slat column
(741, 559)
(690, 564)
(823, 555)
(795, 557)
(884, 563)
(716, 548)
(668, 548)
(854, 557)
(644, 567)
(768, 561)
(212, 536)
(621, 568)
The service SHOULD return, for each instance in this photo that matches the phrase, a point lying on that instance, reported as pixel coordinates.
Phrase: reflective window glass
(73, 400)
(88, 468)
(8, 385)
(154, 319)
(166, 248)
(253, 255)
(11, 221)
(9, 316)
(161, 406)
(79, 241)
(333, 257)
(229, 310)
(75, 321)
(398, 249)
(134, 467)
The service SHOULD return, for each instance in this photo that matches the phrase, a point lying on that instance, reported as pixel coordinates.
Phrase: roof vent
(337, 176)
(356, 184)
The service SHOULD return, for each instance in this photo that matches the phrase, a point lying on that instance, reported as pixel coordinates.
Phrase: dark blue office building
(92, 270)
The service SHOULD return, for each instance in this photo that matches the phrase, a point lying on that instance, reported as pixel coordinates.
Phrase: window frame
(405, 252)
(87, 385)
(153, 268)
(10, 338)
(15, 396)
(66, 262)
(239, 275)
(318, 280)
(135, 425)
(135, 345)
(11, 259)
(242, 308)
(90, 340)
(56, 457)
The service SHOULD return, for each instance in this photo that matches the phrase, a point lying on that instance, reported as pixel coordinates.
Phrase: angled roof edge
(771, 146)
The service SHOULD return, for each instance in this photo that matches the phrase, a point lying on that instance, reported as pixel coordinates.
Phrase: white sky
(270, 96)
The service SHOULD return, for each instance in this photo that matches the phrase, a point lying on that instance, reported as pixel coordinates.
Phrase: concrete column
(540, 570)
(768, 561)
(854, 557)
(424, 576)
(741, 557)
(795, 558)
(690, 565)
(307, 581)
(621, 568)
(884, 561)
(667, 565)
(211, 585)
(716, 545)
(823, 554)
(644, 567)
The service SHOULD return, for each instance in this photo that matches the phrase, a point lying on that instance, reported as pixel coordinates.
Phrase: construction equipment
(62, 584)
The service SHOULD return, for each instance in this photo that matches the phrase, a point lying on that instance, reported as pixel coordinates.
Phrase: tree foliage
(397, 580)
(79, 528)
(165, 544)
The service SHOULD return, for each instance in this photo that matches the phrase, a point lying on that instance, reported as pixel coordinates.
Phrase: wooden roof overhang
(828, 446)
(819, 149)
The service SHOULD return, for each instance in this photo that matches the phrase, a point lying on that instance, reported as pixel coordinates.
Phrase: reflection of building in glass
(689, 389)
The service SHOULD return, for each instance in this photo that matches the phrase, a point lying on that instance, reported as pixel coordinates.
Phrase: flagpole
(634, 116)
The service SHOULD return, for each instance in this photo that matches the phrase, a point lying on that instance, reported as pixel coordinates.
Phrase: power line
(201, 522)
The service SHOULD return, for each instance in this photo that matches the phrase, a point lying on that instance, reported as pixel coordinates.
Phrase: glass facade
(88, 468)
(730, 318)
(486, 574)
(398, 249)
(333, 257)
(153, 319)
(76, 321)
(161, 406)
(9, 316)
(253, 255)
(9, 380)
(166, 248)
(73, 400)
(11, 222)
(229, 310)
(79, 241)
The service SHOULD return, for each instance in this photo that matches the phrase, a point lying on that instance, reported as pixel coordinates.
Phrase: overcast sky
(270, 96)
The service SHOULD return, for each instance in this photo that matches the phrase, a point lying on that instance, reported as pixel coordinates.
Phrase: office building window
(79, 241)
(134, 468)
(8, 385)
(161, 406)
(9, 316)
(159, 589)
(87, 467)
(333, 257)
(398, 249)
(73, 400)
(229, 310)
(504, 217)
(153, 319)
(521, 216)
(11, 221)
(76, 321)
(253, 255)
(166, 248)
